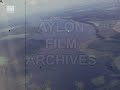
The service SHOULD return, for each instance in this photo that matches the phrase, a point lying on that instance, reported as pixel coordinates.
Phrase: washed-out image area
(59, 45)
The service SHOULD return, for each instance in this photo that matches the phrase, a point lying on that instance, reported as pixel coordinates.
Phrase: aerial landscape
(60, 45)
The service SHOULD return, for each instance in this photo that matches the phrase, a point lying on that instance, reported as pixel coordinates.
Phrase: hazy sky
(41, 5)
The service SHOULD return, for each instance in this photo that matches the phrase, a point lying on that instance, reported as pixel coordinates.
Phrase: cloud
(46, 5)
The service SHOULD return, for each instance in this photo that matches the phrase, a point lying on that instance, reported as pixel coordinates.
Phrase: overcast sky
(42, 5)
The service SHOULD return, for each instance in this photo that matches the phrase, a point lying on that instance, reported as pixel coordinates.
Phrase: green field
(3, 61)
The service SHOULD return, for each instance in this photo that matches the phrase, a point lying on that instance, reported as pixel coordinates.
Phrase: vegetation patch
(3, 61)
